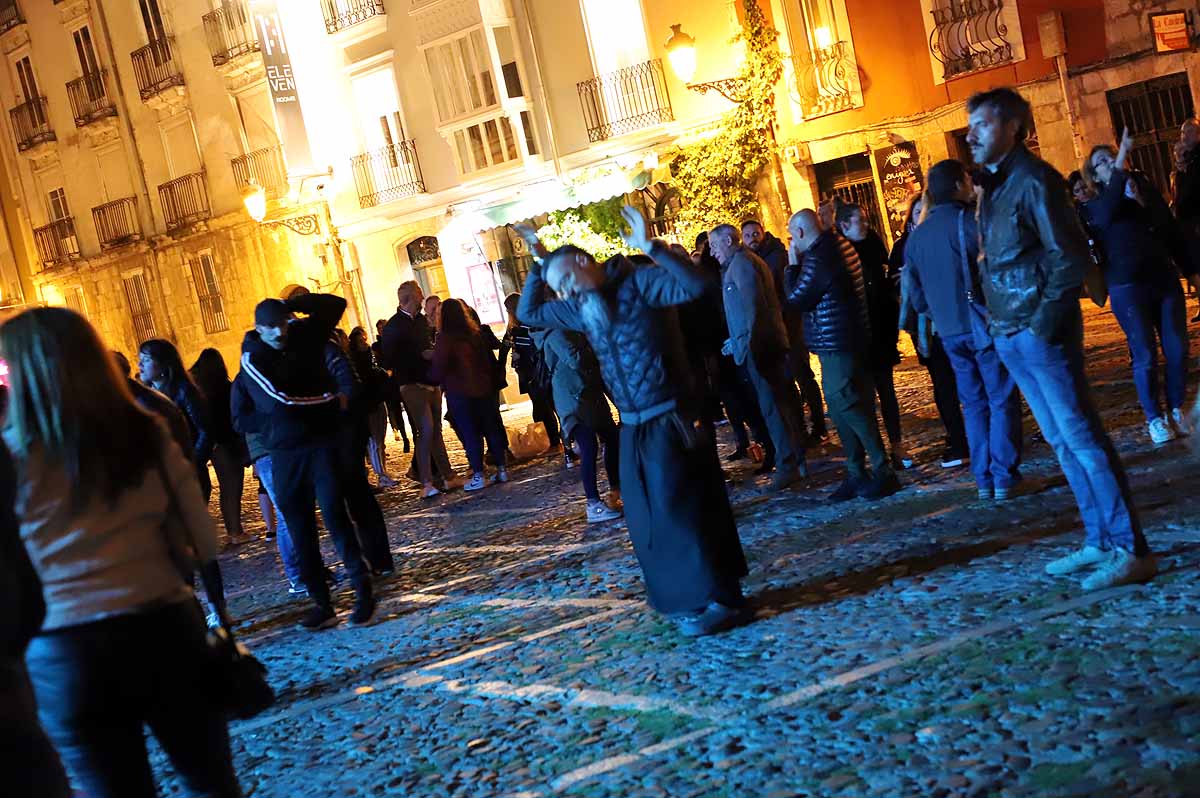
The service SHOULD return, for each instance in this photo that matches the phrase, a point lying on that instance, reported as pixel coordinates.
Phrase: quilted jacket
(828, 286)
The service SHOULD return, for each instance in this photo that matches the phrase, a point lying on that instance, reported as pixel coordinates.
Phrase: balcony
(970, 35)
(56, 242)
(386, 174)
(154, 67)
(624, 101)
(117, 223)
(827, 80)
(10, 15)
(89, 98)
(184, 201)
(342, 14)
(264, 168)
(31, 123)
(230, 32)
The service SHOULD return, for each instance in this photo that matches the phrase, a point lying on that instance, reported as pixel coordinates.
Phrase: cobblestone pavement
(912, 647)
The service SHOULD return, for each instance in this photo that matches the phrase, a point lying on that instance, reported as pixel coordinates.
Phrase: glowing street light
(681, 52)
(254, 197)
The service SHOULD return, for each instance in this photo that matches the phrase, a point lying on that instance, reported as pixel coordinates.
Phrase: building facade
(170, 162)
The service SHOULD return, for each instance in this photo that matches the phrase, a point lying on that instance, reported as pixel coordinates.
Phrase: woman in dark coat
(229, 455)
(374, 388)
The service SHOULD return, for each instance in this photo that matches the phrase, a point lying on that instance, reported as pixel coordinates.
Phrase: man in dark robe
(679, 516)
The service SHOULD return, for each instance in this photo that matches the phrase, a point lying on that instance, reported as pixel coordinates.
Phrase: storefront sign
(282, 82)
(1171, 31)
(485, 293)
(900, 176)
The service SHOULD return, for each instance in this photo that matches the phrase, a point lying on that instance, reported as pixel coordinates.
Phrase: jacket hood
(252, 344)
(770, 245)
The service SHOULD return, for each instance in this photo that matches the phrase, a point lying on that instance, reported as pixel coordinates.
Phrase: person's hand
(536, 247)
(1133, 191)
(795, 257)
(727, 347)
(1123, 152)
(637, 237)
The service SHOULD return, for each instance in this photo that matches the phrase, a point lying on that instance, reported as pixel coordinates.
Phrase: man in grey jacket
(758, 342)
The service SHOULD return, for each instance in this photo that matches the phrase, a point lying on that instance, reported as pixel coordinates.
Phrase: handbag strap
(968, 283)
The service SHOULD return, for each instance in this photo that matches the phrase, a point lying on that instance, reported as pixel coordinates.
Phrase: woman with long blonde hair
(108, 505)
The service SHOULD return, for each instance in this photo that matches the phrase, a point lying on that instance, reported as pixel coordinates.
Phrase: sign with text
(282, 82)
(900, 176)
(1171, 31)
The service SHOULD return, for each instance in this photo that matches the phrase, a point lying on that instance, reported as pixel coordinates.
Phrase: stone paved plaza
(911, 647)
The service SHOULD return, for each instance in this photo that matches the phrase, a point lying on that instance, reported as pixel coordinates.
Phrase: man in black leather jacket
(825, 281)
(679, 516)
(1033, 255)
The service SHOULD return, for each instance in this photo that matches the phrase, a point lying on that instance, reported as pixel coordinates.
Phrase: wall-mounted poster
(485, 296)
(1170, 29)
(900, 176)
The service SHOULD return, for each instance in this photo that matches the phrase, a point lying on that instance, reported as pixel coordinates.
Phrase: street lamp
(254, 197)
(681, 52)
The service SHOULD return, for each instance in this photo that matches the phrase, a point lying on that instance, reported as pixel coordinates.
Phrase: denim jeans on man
(1144, 311)
(100, 683)
(1052, 380)
(287, 549)
(991, 411)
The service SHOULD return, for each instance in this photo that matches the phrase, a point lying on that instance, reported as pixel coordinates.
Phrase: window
(967, 36)
(56, 204)
(25, 78)
(1153, 110)
(510, 69)
(488, 143)
(616, 31)
(73, 298)
(378, 105)
(208, 292)
(137, 294)
(461, 73)
(85, 52)
(179, 141)
(152, 20)
(826, 74)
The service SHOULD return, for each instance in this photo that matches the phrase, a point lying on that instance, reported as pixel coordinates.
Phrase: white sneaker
(598, 512)
(1121, 568)
(1088, 555)
(1182, 426)
(477, 482)
(429, 491)
(1160, 431)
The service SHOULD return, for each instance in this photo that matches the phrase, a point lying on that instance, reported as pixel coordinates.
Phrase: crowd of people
(106, 477)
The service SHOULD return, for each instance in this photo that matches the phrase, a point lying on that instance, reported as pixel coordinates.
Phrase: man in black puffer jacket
(297, 408)
(824, 279)
(679, 516)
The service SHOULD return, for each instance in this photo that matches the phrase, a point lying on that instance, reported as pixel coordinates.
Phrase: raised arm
(535, 311)
(324, 311)
(675, 282)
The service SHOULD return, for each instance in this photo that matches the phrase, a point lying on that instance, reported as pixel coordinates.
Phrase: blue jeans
(1051, 378)
(1144, 311)
(478, 419)
(991, 411)
(287, 549)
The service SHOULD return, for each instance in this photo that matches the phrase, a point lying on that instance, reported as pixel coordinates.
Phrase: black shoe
(739, 453)
(364, 610)
(319, 618)
(882, 486)
(716, 618)
(766, 468)
(383, 573)
(849, 489)
(783, 480)
(953, 458)
(407, 446)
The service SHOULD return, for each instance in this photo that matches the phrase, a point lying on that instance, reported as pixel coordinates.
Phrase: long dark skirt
(679, 516)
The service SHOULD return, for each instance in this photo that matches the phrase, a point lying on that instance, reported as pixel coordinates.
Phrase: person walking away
(107, 503)
(579, 397)
(375, 381)
(773, 253)
(678, 512)
(246, 421)
(229, 456)
(1032, 263)
(407, 349)
(31, 765)
(395, 408)
(940, 280)
(298, 410)
(1185, 183)
(931, 354)
(526, 361)
(161, 368)
(465, 366)
(1130, 217)
(758, 341)
(824, 280)
(883, 309)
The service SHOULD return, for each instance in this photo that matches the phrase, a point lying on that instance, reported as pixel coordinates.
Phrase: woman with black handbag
(112, 516)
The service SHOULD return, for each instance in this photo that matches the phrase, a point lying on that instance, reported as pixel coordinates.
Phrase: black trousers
(882, 374)
(360, 499)
(589, 440)
(304, 477)
(945, 395)
(543, 411)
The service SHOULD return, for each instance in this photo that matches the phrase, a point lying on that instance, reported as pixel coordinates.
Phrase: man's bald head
(805, 228)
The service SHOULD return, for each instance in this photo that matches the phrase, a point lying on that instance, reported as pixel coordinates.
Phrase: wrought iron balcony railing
(117, 222)
(230, 32)
(89, 98)
(626, 100)
(263, 167)
(56, 242)
(386, 174)
(184, 200)
(10, 15)
(826, 80)
(342, 14)
(155, 68)
(31, 123)
(969, 35)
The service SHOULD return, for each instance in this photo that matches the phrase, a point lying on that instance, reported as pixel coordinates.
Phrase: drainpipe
(1076, 137)
(543, 95)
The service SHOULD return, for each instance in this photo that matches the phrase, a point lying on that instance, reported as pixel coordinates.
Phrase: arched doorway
(425, 257)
